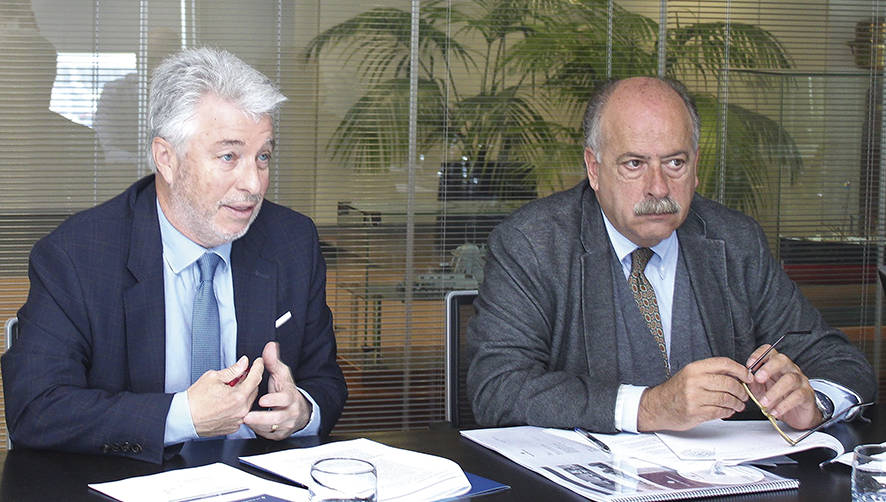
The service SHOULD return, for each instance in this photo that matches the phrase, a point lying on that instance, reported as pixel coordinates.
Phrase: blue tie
(205, 331)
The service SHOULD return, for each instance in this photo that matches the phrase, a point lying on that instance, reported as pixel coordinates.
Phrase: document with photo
(586, 469)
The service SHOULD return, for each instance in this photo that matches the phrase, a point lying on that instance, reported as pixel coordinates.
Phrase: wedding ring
(274, 428)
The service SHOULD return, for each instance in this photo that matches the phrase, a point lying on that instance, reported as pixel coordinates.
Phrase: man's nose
(251, 177)
(656, 181)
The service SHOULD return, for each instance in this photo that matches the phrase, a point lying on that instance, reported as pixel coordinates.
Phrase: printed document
(402, 474)
(737, 441)
(209, 483)
(591, 472)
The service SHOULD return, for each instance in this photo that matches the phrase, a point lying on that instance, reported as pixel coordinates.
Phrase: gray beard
(201, 225)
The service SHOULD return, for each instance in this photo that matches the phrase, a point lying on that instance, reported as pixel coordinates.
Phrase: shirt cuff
(179, 425)
(313, 426)
(627, 405)
(839, 395)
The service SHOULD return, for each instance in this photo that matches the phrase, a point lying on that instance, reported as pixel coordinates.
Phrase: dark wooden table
(33, 475)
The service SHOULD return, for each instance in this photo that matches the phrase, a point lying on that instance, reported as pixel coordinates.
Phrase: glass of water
(343, 479)
(869, 473)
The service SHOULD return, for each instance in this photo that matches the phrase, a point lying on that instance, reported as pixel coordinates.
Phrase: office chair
(11, 335)
(459, 309)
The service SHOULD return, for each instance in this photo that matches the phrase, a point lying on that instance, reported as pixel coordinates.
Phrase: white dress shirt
(661, 272)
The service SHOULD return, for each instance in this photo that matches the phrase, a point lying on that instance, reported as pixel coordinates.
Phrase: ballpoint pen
(590, 437)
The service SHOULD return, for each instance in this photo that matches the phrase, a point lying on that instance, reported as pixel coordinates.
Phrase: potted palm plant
(502, 84)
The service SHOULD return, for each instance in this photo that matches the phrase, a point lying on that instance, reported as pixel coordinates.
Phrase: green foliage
(533, 64)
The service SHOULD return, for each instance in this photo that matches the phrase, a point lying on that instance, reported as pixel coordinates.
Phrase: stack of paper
(402, 474)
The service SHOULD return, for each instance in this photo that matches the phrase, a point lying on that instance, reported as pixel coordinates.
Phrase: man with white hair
(188, 306)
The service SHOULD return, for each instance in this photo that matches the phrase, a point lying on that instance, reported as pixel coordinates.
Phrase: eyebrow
(239, 142)
(632, 155)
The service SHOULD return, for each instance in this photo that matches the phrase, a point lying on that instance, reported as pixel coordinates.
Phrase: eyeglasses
(827, 423)
(836, 416)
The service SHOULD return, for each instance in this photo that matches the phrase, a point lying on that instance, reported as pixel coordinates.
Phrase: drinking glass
(343, 479)
(869, 473)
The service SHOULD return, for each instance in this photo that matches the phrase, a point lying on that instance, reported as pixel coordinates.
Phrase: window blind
(798, 142)
(496, 94)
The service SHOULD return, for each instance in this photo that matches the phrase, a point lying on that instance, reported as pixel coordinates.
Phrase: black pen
(596, 442)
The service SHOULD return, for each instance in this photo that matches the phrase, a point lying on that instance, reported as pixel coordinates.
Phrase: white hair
(183, 79)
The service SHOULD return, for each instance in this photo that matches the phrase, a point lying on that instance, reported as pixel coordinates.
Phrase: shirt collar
(665, 251)
(179, 252)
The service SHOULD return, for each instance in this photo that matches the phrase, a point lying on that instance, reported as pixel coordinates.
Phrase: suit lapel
(598, 303)
(706, 266)
(255, 294)
(143, 302)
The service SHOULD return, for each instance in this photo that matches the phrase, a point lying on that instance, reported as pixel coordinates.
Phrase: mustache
(665, 205)
(252, 198)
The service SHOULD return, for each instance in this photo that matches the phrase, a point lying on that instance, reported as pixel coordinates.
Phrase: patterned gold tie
(644, 295)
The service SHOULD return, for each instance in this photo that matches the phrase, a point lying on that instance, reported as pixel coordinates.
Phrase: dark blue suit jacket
(87, 372)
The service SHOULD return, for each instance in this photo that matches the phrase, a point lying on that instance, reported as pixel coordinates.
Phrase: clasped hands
(218, 408)
(711, 389)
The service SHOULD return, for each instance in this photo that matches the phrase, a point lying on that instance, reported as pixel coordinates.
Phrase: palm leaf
(701, 48)
(754, 145)
(374, 132)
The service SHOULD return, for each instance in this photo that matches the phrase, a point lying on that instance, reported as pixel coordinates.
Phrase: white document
(209, 483)
(402, 474)
(589, 471)
(638, 449)
(846, 458)
(737, 441)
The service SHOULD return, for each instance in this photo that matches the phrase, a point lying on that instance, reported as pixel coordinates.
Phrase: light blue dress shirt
(661, 272)
(180, 280)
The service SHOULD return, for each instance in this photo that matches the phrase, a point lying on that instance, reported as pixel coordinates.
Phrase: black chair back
(459, 310)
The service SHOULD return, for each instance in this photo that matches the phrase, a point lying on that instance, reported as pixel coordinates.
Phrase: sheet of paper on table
(209, 483)
(402, 474)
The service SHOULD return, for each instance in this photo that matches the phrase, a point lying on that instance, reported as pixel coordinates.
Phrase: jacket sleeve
(529, 365)
(777, 306)
(57, 395)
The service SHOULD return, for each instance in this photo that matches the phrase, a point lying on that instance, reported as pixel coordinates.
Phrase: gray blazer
(544, 334)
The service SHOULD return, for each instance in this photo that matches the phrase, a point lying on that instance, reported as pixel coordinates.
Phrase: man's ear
(695, 167)
(164, 158)
(593, 168)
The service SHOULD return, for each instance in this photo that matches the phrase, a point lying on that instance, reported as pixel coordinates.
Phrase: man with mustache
(150, 319)
(630, 303)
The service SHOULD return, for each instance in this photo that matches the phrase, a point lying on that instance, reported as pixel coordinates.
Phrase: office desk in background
(31, 475)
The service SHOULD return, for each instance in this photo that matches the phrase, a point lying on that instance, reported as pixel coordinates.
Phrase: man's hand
(784, 390)
(289, 410)
(703, 390)
(218, 408)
